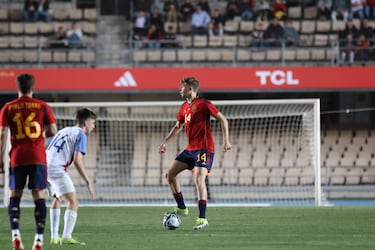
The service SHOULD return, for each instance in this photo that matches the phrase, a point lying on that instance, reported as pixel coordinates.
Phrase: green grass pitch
(299, 228)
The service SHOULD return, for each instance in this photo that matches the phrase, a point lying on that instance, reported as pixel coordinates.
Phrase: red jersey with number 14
(196, 120)
(26, 118)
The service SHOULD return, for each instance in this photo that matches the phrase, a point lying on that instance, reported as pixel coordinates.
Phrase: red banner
(221, 79)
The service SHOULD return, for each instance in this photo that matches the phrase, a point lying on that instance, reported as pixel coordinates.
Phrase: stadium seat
(273, 55)
(74, 56)
(46, 56)
(90, 14)
(295, 12)
(200, 41)
(292, 176)
(17, 28)
(89, 28)
(354, 175)
(338, 25)
(213, 55)
(310, 12)
(243, 55)
(230, 176)
(246, 176)
(198, 55)
(4, 42)
(215, 41)
(5, 56)
(323, 26)
(169, 55)
(17, 42)
(154, 55)
(227, 55)
(75, 14)
(258, 55)
(17, 56)
(183, 55)
(59, 56)
(60, 14)
(338, 175)
(244, 41)
(31, 42)
(4, 14)
(369, 175)
(321, 40)
(139, 56)
(261, 176)
(302, 54)
(31, 29)
(230, 40)
(31, 56)
(277, 176)
(246, 27)
(307, 27)
(289, 54)
(318, 54)
(231, 26)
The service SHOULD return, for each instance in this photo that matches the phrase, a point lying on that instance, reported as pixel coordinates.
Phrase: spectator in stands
(30, 10)
(340, 8)
(205, 6)
(170, 38)
(291, 34)
(168, 3)
(42, 12)
(200, 21)
(274, 34)
(217, 23)
(356, 9)
(74, 35)
(257, 35)
(154, 36)
(350, 28)
(140, 23)
(367, 30)
(59, 39)
(347, 50)
(187, 10)
(370, 9)
(279, 10)
(159, 5)
(263, 11)
(171, 15)
(156, 18)
(363, 49)
(324, 9)
(233, 10)
(247, 9)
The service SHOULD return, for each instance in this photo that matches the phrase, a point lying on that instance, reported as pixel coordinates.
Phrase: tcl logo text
(276, 77)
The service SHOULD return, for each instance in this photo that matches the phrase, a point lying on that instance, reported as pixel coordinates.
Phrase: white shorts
(61, 184)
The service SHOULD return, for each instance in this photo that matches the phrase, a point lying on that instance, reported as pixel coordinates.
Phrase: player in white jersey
(66, 147)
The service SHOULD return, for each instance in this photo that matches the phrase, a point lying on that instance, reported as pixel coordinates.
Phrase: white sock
(15, 232)
(70, 218)
(38, 237)
(54, 214)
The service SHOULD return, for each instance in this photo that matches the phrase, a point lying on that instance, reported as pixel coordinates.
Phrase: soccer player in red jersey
(194, 115)
(30, 121)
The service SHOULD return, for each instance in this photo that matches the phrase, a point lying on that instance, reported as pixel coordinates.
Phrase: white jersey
(61, 148)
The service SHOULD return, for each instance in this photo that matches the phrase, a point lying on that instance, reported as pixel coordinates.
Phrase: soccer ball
(171, 221)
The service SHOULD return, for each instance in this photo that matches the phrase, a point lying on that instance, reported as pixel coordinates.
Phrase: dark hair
(83, 115)
(192, 82)
(25, 83)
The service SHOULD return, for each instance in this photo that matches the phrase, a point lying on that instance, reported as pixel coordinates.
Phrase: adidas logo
(126, 80)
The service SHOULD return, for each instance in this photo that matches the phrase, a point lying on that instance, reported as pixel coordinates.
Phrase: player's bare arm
(78, 162)
(3, 141)
(225, 130)
(50, 130)
(174, 131)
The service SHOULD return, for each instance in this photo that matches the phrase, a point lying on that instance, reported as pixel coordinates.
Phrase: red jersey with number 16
(196, 120)
(26, 117)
